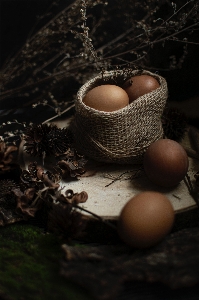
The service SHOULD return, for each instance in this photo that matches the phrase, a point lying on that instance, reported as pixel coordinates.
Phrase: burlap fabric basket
(124, 135)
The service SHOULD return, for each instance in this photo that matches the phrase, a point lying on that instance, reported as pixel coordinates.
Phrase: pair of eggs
(149, 216)
(109, 97)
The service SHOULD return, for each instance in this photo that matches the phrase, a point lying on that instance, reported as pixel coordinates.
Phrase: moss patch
(29, 266)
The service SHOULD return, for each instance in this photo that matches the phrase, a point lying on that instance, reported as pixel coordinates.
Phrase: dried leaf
(72, 164)
(174, 123)
(76, 198)
(8, 214)
(36, 177)
(65, 221)
(24, 202)
(8, 160)
(194, 137)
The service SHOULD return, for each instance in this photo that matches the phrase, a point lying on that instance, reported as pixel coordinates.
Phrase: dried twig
(134, 174)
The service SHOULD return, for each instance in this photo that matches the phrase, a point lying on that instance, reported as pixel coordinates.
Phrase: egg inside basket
(121, 136)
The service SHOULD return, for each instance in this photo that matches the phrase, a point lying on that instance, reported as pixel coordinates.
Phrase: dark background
(18, 18)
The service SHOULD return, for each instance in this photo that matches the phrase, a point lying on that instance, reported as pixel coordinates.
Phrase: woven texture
(124, 135)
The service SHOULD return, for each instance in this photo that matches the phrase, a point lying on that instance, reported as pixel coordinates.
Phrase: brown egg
(106, 98)
(166, 162)
(139, 85)
(146, 219)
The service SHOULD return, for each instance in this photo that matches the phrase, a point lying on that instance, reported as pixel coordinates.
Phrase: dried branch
(82, 43)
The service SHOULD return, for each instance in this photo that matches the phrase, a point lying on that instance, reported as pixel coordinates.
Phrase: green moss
(29, 265)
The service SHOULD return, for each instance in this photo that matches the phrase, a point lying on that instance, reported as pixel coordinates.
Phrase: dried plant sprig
(58, 107)
(8, 158)
(127, 175)
(174, 123)
(89, 52)
(36, 177)
(35, 73)
(6, 187)
(71, 164)
(151, 30)
(103, 220)
(64, 220)
(24, 202)
(8, 214)
(193, 187)
(47, 72)
(44, 139)
(12, 132)
(59, 112)
(194, 138)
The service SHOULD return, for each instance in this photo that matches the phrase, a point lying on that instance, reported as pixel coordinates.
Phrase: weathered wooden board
(107, 196)
(110, 186)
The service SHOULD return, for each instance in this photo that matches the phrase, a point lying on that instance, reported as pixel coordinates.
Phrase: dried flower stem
(194, 136)
(191, 153)
(130, 47)
(146, 44)
(135, 174)
(191, 189)
(58, 115)
(97, 217)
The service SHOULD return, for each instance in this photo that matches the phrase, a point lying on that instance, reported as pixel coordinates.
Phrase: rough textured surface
(123, 135)
(104, 269)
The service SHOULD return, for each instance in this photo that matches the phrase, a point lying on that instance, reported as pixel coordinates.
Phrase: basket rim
(89, 84)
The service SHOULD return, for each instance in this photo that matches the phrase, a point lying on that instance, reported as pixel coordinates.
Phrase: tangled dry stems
(88, 37)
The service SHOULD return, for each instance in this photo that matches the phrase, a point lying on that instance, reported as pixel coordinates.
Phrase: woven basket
(124, 135)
